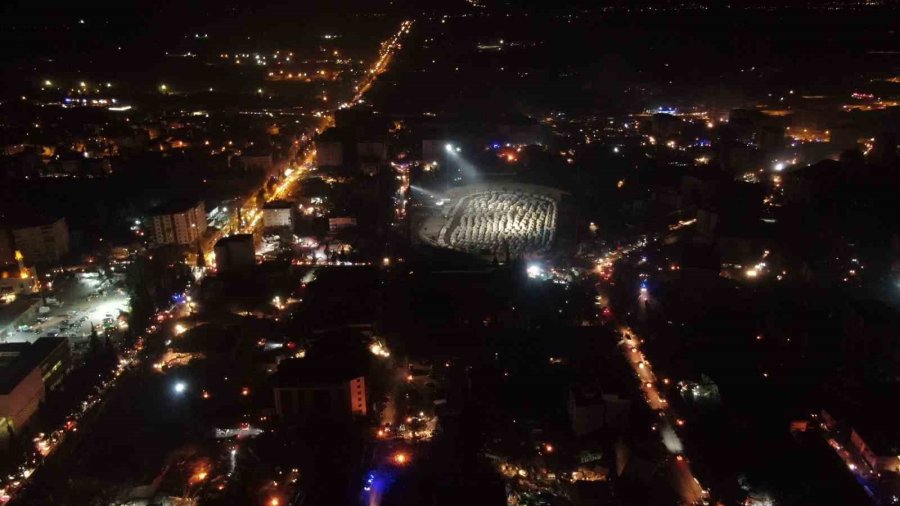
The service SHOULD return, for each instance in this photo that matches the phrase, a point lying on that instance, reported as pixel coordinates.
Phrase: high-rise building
(235, 253)
(330, 148)
(41, 240)
(182, 222)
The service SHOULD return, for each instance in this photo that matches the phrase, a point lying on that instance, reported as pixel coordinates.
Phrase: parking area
(74, 302)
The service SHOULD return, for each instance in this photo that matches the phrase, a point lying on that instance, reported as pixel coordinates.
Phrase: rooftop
(334, 134)
(28, 220)
(278, 204)
(236, 238)
(256, 150)
(304, 371)
(174, 207)
(17, 360)
(589, 394)
(9, 312)
(866, 416)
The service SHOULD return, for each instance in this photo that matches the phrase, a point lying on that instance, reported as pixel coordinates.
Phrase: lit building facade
(178, 223)
(27, 373)
(278, 214)
(44, 242)
(333, 399)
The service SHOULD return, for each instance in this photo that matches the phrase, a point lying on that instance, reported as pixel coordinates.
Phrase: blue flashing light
(379, 481)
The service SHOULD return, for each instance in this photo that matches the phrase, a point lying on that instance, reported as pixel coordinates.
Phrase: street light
(180, 387)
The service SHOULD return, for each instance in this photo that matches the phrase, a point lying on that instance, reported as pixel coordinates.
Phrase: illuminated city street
(111, 305)
(686, 483)
(381, 253)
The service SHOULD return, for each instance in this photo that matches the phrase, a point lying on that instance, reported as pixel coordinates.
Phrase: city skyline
(404, 253)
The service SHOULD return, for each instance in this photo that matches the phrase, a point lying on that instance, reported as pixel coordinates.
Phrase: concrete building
(372, 154)
(873, 436)
(181, 222)
(41, 240)
(278, 214)
(235, 253)
(590, 409)
(305, 389)
(27, 373)
(15, 280)
(257, 158)
(330, 148)
(20, 310)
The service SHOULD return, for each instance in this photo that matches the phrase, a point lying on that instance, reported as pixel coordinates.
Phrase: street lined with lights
(130, 358)
(630, 344)
(295, 174)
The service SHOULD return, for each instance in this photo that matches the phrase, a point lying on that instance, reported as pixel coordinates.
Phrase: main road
(130, 358)
(287, 185)
(683, 479)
